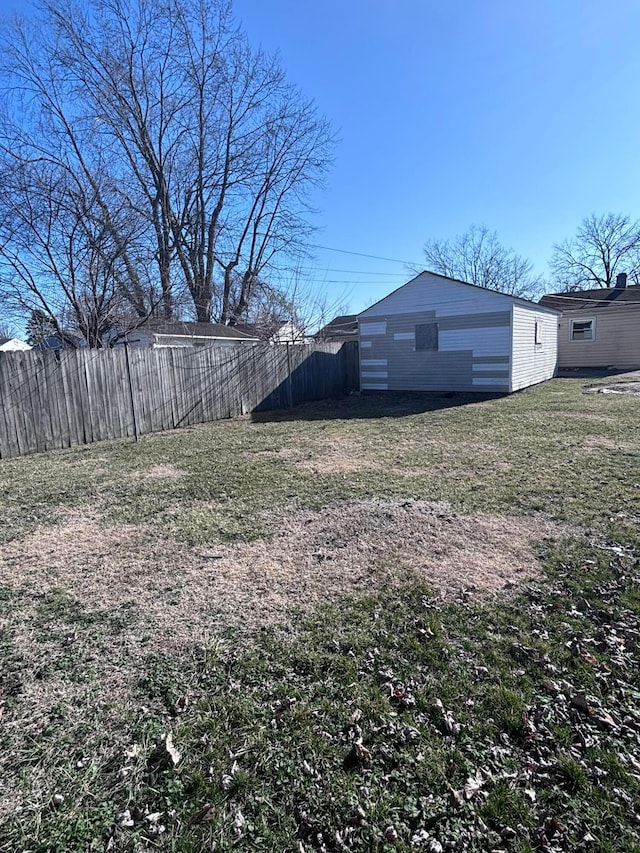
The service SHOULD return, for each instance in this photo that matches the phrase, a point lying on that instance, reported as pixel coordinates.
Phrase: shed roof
(605, 297)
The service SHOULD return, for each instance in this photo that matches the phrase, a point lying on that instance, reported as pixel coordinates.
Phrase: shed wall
(533, 362)
(474, 339)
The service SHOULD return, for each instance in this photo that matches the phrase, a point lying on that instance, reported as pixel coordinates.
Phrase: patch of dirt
(281, 453)
(586, 416)
(92, 602)
(614, 388)
(176, 591)
(593, 443)
(338, 456)
(332, 456)
(165, 471)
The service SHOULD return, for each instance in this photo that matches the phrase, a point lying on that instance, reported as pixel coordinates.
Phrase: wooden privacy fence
(59, 399)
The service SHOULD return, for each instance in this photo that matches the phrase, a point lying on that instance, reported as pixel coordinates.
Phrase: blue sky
(521, 116)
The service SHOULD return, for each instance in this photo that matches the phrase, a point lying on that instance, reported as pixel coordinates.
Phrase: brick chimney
(621, 280)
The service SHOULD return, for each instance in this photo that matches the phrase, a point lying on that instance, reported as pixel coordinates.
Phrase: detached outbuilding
(439, 334)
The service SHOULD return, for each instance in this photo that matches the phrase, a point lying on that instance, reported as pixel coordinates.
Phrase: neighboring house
(274, 333)
(58, 342)
(598, 328)
(156, 335)
(13, 345)
(439, 334)
(342, 328)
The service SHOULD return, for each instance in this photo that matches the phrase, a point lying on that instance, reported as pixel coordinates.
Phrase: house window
(427, 337)
(538, 332)
(583, 330)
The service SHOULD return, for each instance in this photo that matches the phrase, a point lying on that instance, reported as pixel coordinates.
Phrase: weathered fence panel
(53, 400)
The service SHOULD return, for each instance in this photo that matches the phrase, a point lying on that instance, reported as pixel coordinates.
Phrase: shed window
(583, 330)
(427, 337)
(538, 332)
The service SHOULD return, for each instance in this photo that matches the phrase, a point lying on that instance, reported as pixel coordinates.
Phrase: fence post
(133, 405)
(289, 389)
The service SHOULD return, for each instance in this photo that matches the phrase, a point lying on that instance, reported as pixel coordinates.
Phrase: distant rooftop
(197, 330)
(592, 299)
(343, 326)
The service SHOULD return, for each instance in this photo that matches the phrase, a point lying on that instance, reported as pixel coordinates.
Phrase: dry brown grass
(596, 417)
(339, 455)
(593, 443)
(176, 591)
(172, 597)
(165, 472)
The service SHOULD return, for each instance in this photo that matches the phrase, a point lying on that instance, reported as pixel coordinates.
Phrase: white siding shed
(439, 334)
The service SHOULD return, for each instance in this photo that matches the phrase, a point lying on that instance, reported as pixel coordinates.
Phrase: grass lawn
(369, 624)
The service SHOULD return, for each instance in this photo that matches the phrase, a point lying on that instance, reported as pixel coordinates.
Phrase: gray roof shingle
(591, 299)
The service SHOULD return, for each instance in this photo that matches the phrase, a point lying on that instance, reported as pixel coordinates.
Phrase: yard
(370, 624)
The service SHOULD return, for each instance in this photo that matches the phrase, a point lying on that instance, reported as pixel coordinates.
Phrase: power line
(364, 255)
(333, 270)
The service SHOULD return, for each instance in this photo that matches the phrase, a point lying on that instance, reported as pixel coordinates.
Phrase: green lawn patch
(388, 717)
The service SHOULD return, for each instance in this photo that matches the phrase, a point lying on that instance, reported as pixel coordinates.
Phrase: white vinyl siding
(476, 339)
(533, 362)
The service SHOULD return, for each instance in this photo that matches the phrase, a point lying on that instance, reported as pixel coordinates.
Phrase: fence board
(52, 400)
(9, 445)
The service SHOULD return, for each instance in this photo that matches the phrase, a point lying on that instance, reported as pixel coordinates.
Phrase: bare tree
(7, 329)
(197, 154)
(478, 257)
(602, 247)
(60, 257)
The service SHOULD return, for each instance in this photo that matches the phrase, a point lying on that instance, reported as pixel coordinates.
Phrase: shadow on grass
(366, 406)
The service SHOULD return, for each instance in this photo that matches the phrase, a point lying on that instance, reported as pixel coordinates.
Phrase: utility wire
(364, 255)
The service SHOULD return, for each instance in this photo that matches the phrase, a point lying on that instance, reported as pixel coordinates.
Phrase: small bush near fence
(59, 399)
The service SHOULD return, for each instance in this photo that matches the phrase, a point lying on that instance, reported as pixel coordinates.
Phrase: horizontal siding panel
(488, 359)
(479, 320)
(482, 342)
(368, 329)
(488, 366)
